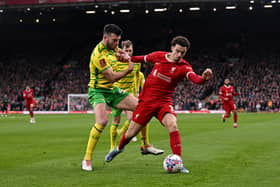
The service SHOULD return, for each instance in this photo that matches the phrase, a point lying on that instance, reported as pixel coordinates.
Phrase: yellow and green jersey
(101, 59)
(127, 83)
(139, 82)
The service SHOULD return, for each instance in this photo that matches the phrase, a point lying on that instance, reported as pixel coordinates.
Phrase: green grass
(49, 153)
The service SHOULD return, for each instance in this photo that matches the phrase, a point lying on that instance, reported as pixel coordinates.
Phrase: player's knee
(133, 106)
(103, 122)
(172, 127)
(129, 117)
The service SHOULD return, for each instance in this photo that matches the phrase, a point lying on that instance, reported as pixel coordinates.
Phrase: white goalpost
(78, 103)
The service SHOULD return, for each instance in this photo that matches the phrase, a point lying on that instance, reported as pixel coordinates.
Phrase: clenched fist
(207, 74)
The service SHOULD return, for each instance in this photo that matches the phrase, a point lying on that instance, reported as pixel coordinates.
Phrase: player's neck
(167, 56)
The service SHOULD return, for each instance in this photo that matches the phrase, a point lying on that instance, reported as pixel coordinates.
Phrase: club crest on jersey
(172, 69)
(102, 63)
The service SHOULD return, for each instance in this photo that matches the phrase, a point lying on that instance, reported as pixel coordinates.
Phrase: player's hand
(225, 99)
(207, 74)
(122, 56)
(130, 66)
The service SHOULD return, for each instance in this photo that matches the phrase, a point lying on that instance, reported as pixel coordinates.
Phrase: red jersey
(160, 84)
(226, 93)
(28, 95)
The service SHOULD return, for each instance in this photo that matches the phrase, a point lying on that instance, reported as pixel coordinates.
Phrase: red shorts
(29, 103)
(145, 111)
(229, 106)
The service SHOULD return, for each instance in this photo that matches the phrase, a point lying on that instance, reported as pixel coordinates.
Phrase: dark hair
(112, 28)
(126, 43)
(181, 40)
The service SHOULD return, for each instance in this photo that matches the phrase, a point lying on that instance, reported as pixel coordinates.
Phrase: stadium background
(47, 44)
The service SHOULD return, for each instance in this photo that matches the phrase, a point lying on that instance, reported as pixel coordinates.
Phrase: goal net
(78, 103)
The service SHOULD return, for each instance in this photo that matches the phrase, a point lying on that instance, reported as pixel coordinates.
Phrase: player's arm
(115, 76)
(24, 95)
(221, 94)
(235, 93)
(152, 57)
(192, 76)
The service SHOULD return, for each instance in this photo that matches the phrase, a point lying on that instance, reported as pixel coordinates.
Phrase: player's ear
(105, 36)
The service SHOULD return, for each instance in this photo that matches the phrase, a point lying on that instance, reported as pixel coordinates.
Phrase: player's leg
(170, 122)
(31, 113)
(98, 101)
(227, 112)
(128, 103)
(95, 133)
(126, 124)
(140, 118)
(124, 128)
(133, 129)
(235, 117)
(6, 111)
(116, 114)
(146, 147)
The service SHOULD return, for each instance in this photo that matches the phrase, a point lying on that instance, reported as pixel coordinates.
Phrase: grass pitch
(49, 153)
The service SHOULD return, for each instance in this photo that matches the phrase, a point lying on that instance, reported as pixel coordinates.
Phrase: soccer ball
(172, 163)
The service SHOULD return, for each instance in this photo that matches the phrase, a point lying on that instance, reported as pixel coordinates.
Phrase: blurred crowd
(255, 78)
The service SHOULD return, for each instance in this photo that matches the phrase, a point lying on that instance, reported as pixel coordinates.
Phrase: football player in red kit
(226, 94)
(155, 99)
(28, 95)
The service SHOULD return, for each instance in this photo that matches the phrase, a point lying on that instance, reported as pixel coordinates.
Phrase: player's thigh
(233, 107)
(116, 114)
(128, 103)
(28, 106)
(144, 113)
(128, 114)
(169, 120)
(100, 113)
(226, 108)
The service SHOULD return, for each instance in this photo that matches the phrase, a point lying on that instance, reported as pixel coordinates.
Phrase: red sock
(123, 142)
(31, 114)
(235, 117)
(175, 143)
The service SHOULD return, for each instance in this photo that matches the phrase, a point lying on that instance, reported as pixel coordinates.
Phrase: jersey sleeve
(24, 95)
(235, 93)
(221, 95)
(102, 63)
(142, 80)
(192, 76)
(152, 57)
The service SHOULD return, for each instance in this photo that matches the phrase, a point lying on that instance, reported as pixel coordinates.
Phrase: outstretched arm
(138, 59)
(152, 57)
(206, 75)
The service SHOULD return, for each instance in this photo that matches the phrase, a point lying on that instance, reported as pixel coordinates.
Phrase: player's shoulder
(160, 54)
(185, 62)
(99, 50)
